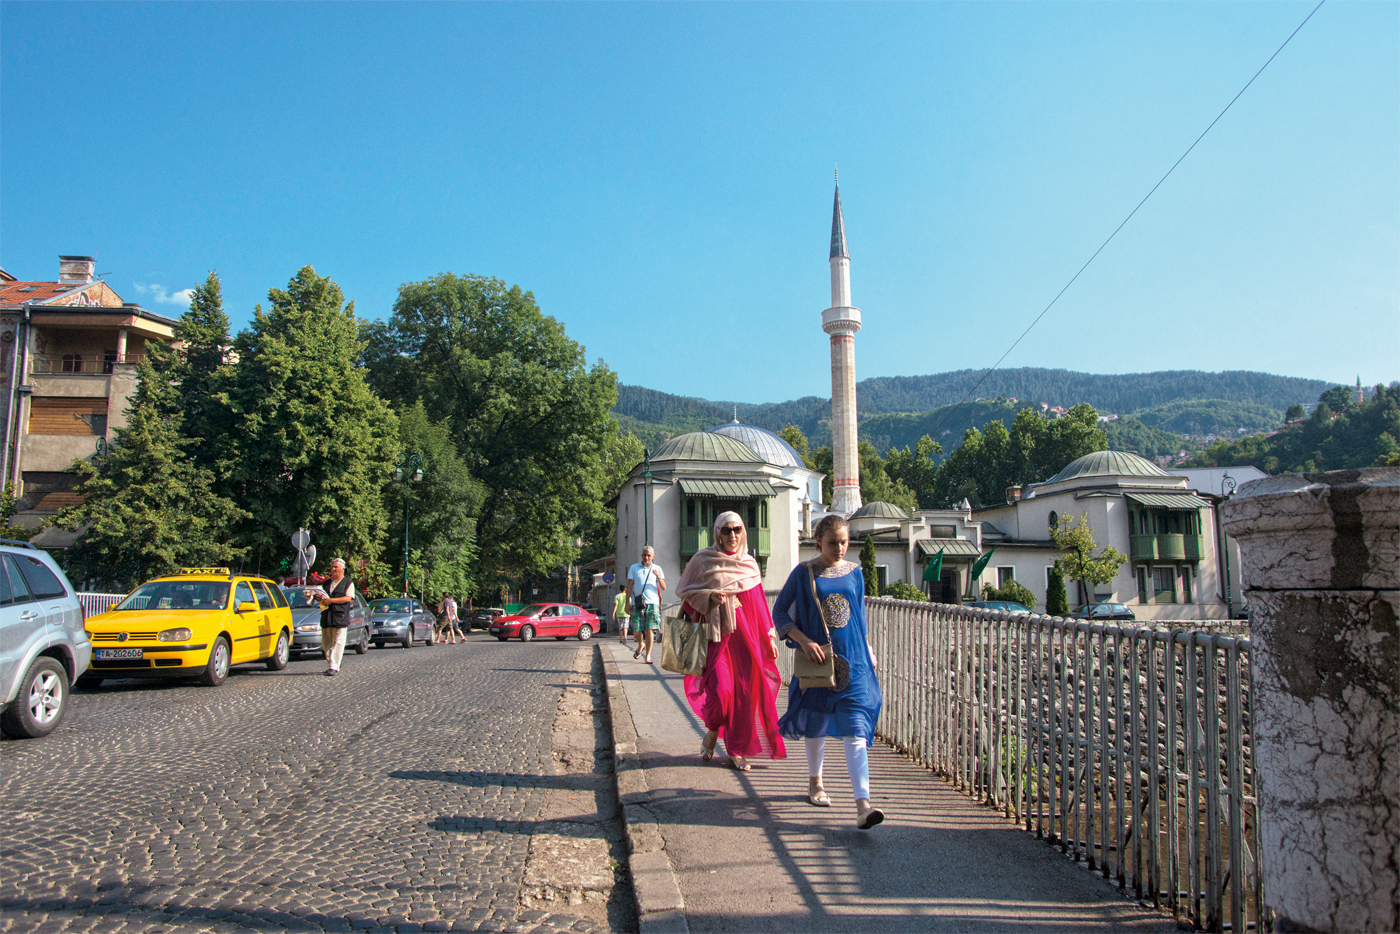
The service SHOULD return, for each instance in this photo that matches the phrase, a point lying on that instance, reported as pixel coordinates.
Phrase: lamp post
(646, 501)
(409, 466)
(1227, 490)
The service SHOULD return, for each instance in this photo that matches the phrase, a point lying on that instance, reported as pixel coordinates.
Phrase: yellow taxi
(196, 623)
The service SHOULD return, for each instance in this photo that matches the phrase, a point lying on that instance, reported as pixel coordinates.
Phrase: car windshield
(392, 606)
(177, 595)
(533, 609)
(296, 596)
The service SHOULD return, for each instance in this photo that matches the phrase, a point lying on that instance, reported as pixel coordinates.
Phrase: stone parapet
(1321, 571)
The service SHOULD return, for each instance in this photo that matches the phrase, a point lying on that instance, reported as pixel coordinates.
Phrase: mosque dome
(1109, 464)
(878, 510)
(705, 446)
(766, 444)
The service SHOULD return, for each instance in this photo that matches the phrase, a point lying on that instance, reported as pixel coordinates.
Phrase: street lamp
(1227, 490)
(646, 501)
(409, 466)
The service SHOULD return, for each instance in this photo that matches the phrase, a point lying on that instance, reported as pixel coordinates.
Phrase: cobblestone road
(402, 795)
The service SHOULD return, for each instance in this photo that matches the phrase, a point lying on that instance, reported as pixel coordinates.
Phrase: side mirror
(247, 606)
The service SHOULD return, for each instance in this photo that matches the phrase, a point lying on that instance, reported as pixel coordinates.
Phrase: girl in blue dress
(816, 713)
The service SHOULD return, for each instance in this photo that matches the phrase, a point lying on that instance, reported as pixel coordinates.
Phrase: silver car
(306, 624)
(43, 646)
(400, 621)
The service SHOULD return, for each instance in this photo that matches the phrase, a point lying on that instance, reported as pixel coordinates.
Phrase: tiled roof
(17, 293)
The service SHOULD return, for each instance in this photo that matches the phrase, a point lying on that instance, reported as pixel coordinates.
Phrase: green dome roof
(879, 510)
(705, 446)
(1109, 464)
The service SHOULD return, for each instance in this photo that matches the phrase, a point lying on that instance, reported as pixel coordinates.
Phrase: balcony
(1195, 548)
(74, 364)
(761, 542)
(1144, 547)
(692, 540)
(1171, 547)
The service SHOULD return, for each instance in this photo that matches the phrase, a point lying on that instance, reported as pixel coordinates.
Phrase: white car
(43, 646)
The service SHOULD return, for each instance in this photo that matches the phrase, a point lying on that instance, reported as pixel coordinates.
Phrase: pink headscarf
(714, 579)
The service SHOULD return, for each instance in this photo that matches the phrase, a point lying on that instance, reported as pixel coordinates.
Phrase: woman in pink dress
(737, 696)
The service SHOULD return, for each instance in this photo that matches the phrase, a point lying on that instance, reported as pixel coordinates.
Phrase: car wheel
(217, 670)
(42, 699)
(278, 661)
(408, 638)
(362, 646)
(432, 639)
(585, 632)
(527, 633)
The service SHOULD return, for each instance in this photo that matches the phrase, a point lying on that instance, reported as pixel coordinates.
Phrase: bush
(1056, 598)
(899, 590)
(1017, 593)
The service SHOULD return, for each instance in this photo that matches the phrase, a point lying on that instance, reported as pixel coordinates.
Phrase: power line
(1178, 162)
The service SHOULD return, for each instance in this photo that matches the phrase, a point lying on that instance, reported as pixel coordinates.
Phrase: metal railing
(1128, 747)
(74, 364)
(94, 603)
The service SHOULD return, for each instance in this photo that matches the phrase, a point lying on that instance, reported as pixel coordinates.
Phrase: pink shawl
(714, 579)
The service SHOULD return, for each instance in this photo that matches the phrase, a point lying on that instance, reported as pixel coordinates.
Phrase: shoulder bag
(684, 645)
(835, 672)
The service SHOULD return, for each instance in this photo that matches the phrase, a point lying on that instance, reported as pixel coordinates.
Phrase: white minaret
(842, 322)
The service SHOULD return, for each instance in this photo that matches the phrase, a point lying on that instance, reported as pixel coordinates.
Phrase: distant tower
(842, 322)
(1360, 396)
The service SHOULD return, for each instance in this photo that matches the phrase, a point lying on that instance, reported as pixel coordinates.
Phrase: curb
(660, 908)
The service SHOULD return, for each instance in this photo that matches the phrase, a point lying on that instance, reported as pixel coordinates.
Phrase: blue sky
(660, 175)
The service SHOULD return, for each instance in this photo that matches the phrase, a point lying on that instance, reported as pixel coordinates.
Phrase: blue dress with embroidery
(821, 711)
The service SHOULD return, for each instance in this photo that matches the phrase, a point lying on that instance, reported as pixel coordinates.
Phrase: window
(943, 531)
(1142, 584)
(42, 582)
(753, 516)
(19, 590)
(690, 513)
(242, 594)
(882, 576)
(626, 521)
(763, 514)
(1054, 521)
(72, 363)
(265, 601)
(1186, 585)
(1164, 585)
(1005, 574)
(109, 359)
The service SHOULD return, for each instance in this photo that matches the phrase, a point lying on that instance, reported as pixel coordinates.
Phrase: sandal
(637, 654)
(818, 799)
(738, 764)
(707, 750)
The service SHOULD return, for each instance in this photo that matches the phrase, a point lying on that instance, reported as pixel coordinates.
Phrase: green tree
(527, 414)
(899, 590)
(876, 485)
(867, 568)
(1338, 398)
(621, 455)
(1079, 563)
(442, 523)
(794, 436)
(823, 462)
(315, 444)
(1294, 411)
(917, 469)
(9, 505)
(202, 376)
(1013, 591)
(147, 507)
(1056, 597)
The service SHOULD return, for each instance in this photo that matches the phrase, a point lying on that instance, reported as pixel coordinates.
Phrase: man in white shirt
(645, 582)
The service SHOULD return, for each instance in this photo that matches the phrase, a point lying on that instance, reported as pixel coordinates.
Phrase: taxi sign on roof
(222, 572)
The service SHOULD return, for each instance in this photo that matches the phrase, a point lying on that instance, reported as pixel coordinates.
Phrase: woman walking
(737, 694)
(821, 609)
(620, 615)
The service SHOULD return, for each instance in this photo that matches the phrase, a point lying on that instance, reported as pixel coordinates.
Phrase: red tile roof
(17, 292)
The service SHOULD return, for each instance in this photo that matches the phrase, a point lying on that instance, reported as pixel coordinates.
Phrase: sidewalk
(719, 850)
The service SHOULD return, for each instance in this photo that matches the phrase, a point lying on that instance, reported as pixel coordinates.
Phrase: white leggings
(857, 763)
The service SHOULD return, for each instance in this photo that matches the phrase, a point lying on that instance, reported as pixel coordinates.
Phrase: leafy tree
(1294, 411)
(528, 416)
(1074, 537)
(899, 590)
(867, 568)
(202, 375)
(622, 454)
(442, 524)
(1013, 591)
(917, 469)
(9, 505)
(794, 436)
(147, 507)
(823, 461)
(315, 444)
(1337, 399)
(877, 486)
(1056, 598)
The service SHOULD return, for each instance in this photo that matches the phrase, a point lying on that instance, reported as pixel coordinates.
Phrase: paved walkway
(747, 853)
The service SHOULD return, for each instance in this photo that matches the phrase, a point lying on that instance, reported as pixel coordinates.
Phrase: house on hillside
(68, 353)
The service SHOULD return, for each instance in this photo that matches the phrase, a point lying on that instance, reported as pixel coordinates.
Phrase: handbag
(684, 645)
(834, 673)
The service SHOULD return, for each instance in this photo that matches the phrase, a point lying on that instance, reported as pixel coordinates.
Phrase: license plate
(112, 654)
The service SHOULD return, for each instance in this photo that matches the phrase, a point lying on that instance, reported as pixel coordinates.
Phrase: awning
(951, 547)
(1183, 502)
(727, 489)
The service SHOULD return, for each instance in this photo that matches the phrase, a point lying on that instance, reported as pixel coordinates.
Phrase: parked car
(1103, 611)
(559, 620)
(43, 647)
(306, 619)
(1008, 606)
(483, 618)
(197, 623)
(400, 621)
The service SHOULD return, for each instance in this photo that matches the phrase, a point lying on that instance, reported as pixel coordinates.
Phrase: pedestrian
(822, 608)
(454, 625)
(737, 695)
(335, 615)
(439, 611)
(645, 582)
(620, 616)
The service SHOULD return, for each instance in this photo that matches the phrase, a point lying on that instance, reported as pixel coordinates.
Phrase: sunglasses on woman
(731, 530)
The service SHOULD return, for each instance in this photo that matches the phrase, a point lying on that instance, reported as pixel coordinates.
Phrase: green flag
(981, 565)
(934, 571)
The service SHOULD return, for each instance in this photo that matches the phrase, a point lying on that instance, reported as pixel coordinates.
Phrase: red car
(559, 620)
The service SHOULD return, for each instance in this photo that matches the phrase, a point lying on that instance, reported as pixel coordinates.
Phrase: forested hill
(1120, 394)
